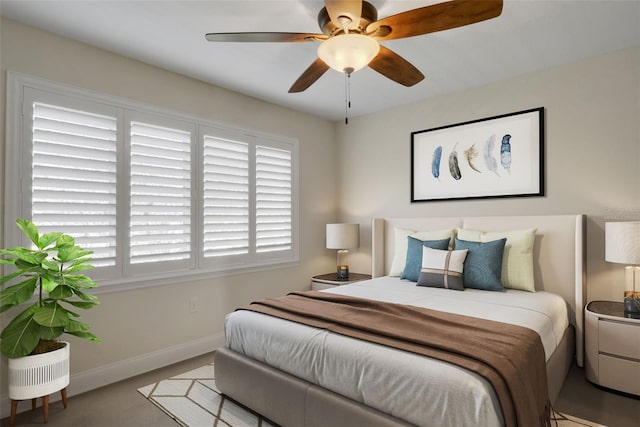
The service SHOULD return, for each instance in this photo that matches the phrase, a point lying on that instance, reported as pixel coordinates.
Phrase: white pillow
(517, 258)
(400, 245)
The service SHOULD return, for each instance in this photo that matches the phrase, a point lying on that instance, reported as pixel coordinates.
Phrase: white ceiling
(530, 35)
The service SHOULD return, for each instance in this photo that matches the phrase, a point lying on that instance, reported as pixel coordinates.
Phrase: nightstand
(325, 281)
(612, 347)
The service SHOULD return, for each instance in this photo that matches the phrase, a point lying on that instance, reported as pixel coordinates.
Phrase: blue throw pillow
(483, 265)
(413, 264)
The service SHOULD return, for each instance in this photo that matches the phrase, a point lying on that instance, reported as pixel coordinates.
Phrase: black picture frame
(494, 157)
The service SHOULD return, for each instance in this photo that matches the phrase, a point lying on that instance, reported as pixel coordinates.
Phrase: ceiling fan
(351, 31)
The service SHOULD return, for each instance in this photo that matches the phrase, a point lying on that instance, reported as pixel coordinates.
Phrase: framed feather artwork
(501, 156)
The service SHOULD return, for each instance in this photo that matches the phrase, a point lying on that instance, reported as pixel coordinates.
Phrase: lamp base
(343, 272)
(632, 305)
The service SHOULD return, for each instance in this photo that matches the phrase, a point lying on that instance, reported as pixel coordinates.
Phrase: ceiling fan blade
(310, 75)
(352, 9)
(437, 17)
(393, 66)
(264, 37)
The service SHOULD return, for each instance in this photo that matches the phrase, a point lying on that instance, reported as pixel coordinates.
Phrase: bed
(264, 367)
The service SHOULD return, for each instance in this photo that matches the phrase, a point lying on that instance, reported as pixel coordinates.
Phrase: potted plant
(51, 281)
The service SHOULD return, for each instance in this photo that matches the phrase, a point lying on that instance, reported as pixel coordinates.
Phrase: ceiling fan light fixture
(348, 51)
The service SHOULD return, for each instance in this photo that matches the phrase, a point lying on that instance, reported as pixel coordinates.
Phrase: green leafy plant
(52, 272)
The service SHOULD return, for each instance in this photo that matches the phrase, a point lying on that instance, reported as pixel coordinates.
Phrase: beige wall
(592, 119)
(139, 322)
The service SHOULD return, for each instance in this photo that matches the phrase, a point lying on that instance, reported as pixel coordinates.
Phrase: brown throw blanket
(511, 358)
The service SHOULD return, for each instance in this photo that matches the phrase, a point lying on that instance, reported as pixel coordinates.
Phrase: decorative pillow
(483, 265)
(414, 255)
(400, 245)
(442, 269)
(517, 258)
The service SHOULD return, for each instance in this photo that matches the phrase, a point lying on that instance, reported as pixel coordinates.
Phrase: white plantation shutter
(225, 197)
(73, 182)
(273, 199)
(129, 182)
(160, 216)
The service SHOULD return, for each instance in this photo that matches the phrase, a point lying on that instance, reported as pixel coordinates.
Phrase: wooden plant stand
(45, 406)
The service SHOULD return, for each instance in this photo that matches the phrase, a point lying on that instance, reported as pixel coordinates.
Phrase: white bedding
(414, 388)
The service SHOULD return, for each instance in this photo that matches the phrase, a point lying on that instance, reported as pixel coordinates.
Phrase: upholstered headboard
(559, 252)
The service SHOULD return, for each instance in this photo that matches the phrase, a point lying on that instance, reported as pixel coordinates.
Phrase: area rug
(193, 400)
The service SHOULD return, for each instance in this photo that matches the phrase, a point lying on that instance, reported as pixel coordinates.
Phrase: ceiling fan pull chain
(347, 93)
(346, 100)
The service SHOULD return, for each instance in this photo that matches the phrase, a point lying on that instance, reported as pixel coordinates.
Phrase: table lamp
(343, 237)
(622, 245)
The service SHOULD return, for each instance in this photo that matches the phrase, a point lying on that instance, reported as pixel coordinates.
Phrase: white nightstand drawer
(620, 339)
(315, 286)
(619, 374)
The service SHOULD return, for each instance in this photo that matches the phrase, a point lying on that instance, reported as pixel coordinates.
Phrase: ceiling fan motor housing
(369, 14)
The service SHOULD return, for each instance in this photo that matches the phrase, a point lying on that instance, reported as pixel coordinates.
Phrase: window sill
(169, 278)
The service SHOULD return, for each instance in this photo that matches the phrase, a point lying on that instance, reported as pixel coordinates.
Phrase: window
(226, 197)
(273, 199)
(73, 176)
(155, 194)
(160, 181)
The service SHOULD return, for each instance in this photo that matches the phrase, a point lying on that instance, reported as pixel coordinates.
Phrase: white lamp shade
(348, 51)
(622, 242)
(343, 236)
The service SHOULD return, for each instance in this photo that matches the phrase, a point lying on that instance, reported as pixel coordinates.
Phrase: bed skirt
(292, 402)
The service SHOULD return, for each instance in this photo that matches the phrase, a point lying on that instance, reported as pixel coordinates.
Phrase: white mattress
(414, 388)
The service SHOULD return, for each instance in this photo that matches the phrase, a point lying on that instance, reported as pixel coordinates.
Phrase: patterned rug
(193, 400)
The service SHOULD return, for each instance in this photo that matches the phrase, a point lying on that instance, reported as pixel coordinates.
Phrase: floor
(121, 405)
(581, 398)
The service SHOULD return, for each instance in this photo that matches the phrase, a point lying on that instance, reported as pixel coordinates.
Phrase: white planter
(39, 375)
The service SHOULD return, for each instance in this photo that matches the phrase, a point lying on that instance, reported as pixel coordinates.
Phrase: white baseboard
(82, 382)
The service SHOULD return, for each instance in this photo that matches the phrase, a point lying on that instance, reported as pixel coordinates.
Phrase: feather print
(453, 164)
(492, 164)
(471, 154)
(505, 153)
(435, 163)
